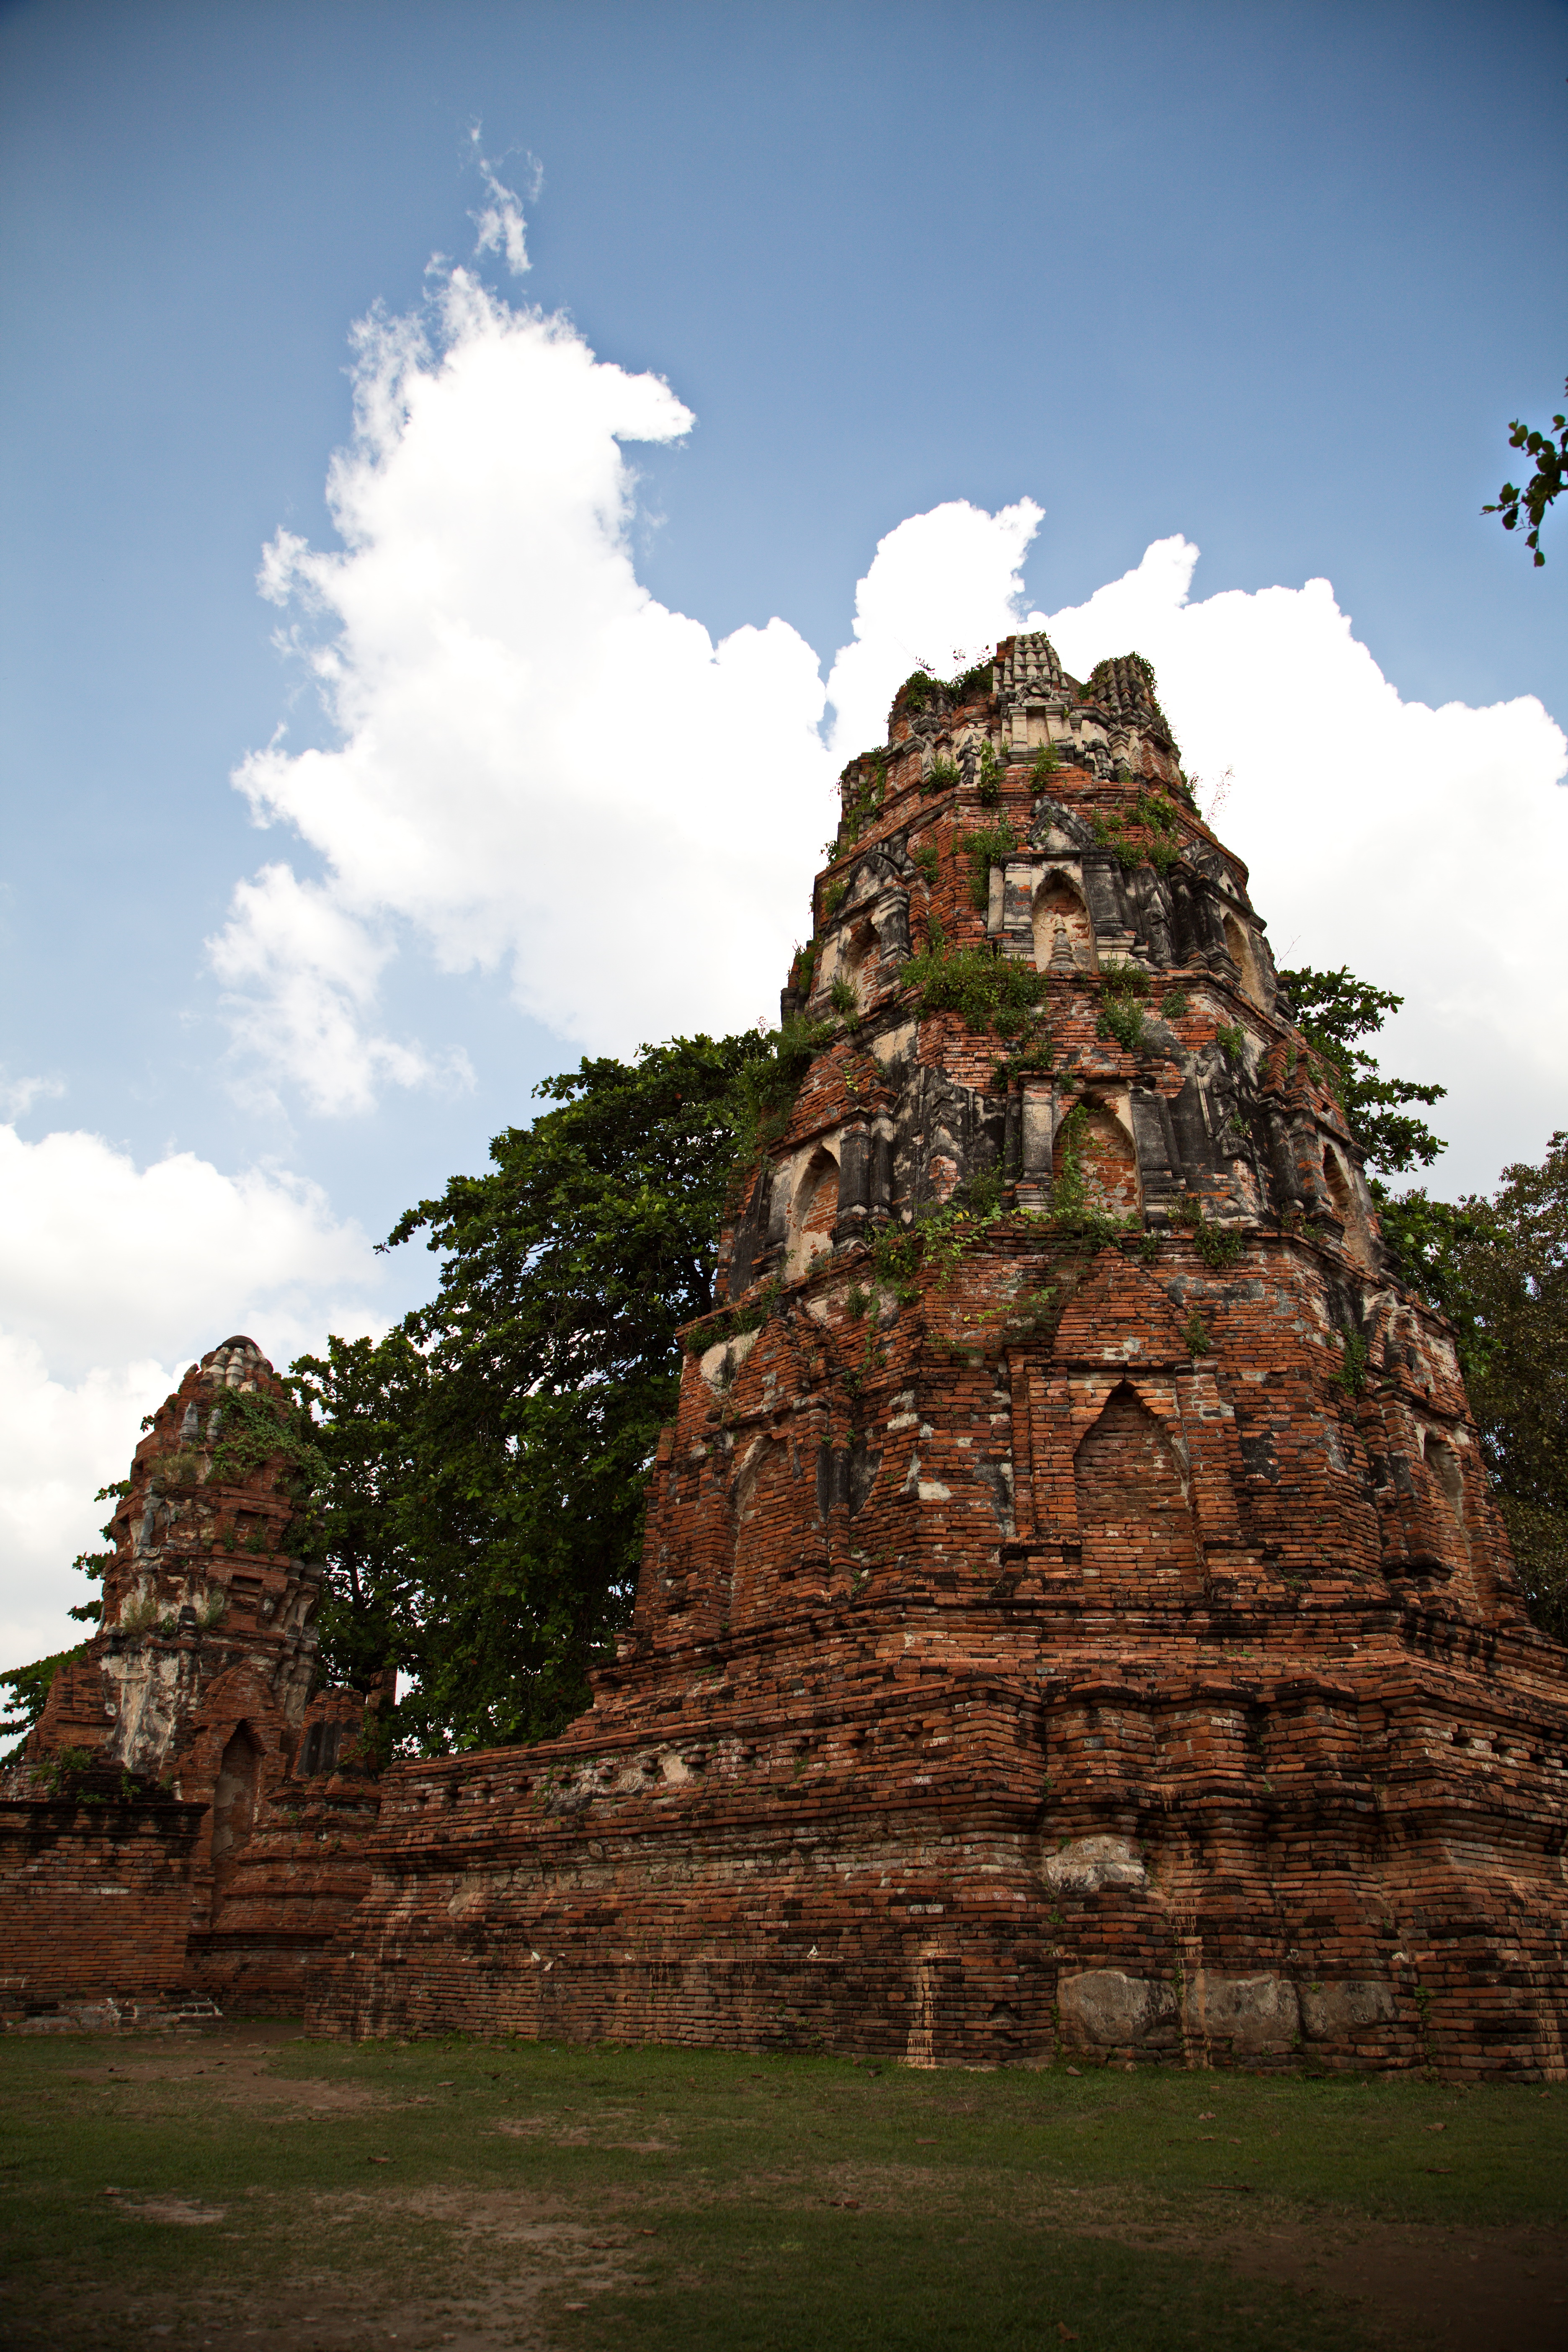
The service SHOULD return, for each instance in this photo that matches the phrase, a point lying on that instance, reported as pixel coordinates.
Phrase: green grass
(707, 2199)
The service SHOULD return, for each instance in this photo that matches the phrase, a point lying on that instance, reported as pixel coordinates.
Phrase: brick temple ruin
(1073, 1617)
(184, 1827)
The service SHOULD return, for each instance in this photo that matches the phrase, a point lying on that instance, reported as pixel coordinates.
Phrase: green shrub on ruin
(1123, 993)
(993, 992)
(991, 846)
(1218, 1245)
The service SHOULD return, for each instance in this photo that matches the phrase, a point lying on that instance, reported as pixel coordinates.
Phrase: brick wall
(95, 1896)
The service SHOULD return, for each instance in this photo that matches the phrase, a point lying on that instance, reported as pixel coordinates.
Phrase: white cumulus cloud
(299, 984)
(539, 767)
(941, 589)
(114, 1278)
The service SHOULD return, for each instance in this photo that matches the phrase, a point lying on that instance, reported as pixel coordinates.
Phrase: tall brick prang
(1073, 1616)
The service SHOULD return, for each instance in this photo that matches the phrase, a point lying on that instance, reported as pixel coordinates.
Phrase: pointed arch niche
(771, 1513)
(1135, 1521)
(857, 961)
(1346, 1207)
(1063, 934)
(1107, 1160)
(234, 1803)
(1443, 1464)
(813, 1213)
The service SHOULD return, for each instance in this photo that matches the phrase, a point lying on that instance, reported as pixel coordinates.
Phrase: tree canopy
(1498, 1268)
(1334, 1010)
(482, 1510)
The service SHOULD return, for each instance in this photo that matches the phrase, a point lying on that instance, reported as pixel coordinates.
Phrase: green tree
(1544, 486)
(26, 1689)
(1498, 1269)
(481, 1508)
(366, 1398)
(1334, 1010)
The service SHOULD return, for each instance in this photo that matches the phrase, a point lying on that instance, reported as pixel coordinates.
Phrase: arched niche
(319, 1749)
(1346, 1206)
(858, 950)
(1238, 940)
(1134, 1519)
(813, 1213)
(1445, 1472)
(1093, 1138)
(765, 1509)
(1063, 934)
(234, 1800)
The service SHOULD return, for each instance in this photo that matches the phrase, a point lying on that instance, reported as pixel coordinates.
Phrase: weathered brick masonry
(185, 1818)
(1061, 1636)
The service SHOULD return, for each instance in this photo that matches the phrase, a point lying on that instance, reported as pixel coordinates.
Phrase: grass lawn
(246, 2189)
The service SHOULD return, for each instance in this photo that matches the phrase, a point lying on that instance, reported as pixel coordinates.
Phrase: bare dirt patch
(183, 2212)
(522, 2252)
(563, 2135)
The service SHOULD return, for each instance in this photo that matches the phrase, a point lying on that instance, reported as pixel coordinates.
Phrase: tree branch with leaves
(1544, 486)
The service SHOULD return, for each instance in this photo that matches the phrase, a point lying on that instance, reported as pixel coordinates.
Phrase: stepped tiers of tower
(184, 1823)
(1073, 1617)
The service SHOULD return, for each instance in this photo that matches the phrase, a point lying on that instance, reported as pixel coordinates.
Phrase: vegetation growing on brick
(1218, 1245)
(993, 992)
(1123, 995)
(864, 789)
(718, 1329)
(991, 845)
(992, 771)
(767, 1082)
(1037, 1054)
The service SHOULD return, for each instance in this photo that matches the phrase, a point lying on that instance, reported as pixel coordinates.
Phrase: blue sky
(1268, 279)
